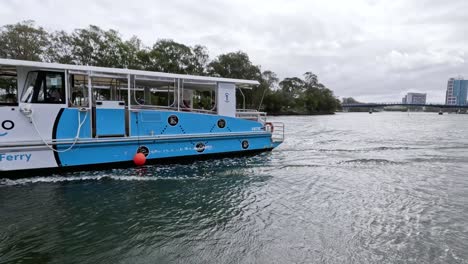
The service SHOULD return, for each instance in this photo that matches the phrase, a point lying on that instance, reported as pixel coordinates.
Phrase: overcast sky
(369, 49)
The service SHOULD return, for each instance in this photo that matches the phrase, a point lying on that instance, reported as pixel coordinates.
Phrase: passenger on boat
(186, 105)
(74, 97)
(10, 98)
(54, 95)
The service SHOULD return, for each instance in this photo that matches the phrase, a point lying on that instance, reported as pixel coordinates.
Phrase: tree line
(98, 47)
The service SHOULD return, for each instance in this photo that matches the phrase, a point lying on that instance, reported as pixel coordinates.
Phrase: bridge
(378, 105)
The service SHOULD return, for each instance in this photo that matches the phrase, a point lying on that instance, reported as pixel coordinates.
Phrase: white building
(415, 98)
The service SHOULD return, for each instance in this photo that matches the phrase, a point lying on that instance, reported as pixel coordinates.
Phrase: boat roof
(59, 66)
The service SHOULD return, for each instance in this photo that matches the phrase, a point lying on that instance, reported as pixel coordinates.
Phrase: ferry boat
(56, 117)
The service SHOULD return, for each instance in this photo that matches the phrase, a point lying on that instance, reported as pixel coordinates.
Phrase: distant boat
(72, 117)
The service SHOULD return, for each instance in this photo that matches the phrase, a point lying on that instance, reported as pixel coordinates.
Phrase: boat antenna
(261, 101)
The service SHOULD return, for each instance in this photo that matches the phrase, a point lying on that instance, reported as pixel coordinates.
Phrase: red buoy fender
(139, 159)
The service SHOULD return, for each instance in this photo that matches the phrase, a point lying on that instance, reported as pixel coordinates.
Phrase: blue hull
(193, 135)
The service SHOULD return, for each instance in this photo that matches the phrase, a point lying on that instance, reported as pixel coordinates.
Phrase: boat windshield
(8, 86)
(44, 87)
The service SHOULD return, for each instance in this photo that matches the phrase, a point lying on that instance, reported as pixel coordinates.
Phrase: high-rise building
(456, 91)
(414, 98)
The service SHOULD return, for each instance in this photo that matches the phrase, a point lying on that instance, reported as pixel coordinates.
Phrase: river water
(347, 188)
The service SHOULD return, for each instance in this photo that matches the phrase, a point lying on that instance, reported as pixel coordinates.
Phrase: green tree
(170, 56)
(132, 52)
(317, 98)
(275, 102)
(23, 41)
(199, 61)
(237, 65)
(268, 83)
(94, 46)
(98, 47)
(234, 65)
(60, 48)
(87, 46)
(292, 90)
(311, 79)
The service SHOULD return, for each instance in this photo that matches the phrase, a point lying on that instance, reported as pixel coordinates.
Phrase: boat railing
(277, 135)
(246, 110)
(251, 114)
(155, 107)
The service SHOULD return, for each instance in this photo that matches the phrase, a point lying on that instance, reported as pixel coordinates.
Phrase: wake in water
(370, 161)
(193, 171)
(55, 179)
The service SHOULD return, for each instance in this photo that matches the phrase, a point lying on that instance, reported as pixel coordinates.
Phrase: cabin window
(109, 88)
(198, 96)
(78, 90)
(154, 92)
(44, 88)
(160, 92)
(204, 100)
(8, 86)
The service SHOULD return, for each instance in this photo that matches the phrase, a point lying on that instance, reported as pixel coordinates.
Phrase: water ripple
(349, 188)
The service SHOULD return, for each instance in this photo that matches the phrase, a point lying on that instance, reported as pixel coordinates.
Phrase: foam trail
(55, 179)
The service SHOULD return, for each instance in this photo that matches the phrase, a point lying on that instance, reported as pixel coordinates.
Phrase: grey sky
(369, 49)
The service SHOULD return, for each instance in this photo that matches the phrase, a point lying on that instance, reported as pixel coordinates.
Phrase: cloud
(421, 60)
(369, 49)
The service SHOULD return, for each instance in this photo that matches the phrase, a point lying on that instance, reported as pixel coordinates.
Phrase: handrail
(248, 110)
(157, 107)
(253, 115)
(277, 135)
